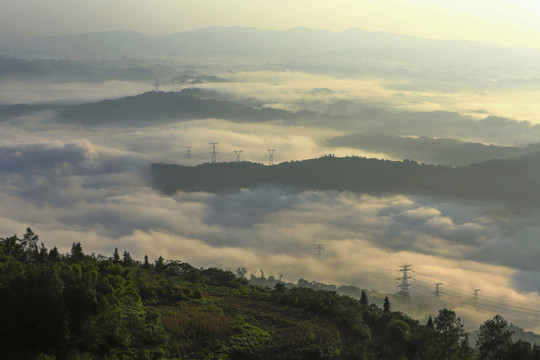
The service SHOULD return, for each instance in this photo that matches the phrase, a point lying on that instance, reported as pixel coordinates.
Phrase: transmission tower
(156, 85)
(319, 249)
(438, 290)
(476, 293)
(271, 156)
(188, 152)
(237, 153)
(213, 152)
(404, 278)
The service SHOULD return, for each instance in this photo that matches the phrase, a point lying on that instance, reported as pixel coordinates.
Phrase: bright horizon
(505, 22)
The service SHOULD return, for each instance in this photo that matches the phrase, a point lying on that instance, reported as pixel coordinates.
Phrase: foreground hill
(513, 181)
(79, 306)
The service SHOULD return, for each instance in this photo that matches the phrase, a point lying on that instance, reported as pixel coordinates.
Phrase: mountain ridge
(253, 43)
(509, 181)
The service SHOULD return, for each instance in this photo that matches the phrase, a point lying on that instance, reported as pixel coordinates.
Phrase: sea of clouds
(93, 185)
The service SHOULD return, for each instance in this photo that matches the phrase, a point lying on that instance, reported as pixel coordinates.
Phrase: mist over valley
(389, 149)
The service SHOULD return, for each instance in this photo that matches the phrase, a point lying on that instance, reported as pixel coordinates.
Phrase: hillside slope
(513, 181)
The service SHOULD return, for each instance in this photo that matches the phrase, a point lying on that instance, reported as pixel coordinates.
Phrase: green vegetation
(79, 306)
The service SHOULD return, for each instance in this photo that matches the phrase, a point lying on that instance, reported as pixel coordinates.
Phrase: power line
(485, 295)
(492, 303)
(526, 311)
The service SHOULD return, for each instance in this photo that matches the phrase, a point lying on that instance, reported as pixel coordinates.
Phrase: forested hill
(152, 106)
(80, 306)
(166, 105)
(513, 181)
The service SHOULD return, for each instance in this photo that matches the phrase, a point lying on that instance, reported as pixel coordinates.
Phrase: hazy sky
(512, 22)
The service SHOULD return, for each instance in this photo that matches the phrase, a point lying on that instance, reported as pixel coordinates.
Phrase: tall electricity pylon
(405, 278)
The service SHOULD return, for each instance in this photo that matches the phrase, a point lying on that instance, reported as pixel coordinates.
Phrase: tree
(11, 247)
(429, 323)
(54, 255)
(494, 338)
(521, 350)
(450, 332)
(363, 298)
(466, 352)
(536, 352)
(42, 253)
(127, 260)
(429, 344)
(34, 318)
(116, 256)
(29, 243)
(76, 252)
(159, 264)
(386, 307)
(241, 272)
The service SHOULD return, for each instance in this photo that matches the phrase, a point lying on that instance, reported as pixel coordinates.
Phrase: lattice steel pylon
(319, 248)
(237, 153)
(438, 290)
(213, 152)
(404, 286)
(271, 156)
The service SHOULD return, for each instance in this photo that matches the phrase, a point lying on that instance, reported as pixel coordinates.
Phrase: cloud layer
(95, 190)
(91, 184)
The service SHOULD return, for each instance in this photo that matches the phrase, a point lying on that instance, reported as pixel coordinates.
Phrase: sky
(509, 22)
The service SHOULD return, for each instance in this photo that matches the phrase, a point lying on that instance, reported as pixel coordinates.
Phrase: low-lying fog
(91, 184)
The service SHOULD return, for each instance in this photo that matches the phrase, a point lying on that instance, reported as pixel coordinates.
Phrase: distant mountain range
(297, 46)
(67, 70)
(429, 150)
(512, 181)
